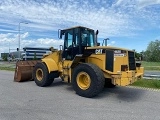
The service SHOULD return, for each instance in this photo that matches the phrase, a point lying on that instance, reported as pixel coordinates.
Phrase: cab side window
(76, 41)
(69, 38)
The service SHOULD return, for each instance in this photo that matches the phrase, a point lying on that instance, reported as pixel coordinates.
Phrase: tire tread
(100, 81)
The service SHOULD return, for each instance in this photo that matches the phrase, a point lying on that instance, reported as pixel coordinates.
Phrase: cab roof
(77, 27)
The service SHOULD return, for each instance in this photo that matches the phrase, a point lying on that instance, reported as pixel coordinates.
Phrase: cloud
(11, 41)
(145, 3)
(113, 18)
(25, 35)
(119, 2)
(47, 42)
(3, 36)
(52, 15)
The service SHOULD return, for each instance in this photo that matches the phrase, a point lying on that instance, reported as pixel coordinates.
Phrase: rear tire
(87, 80)
(41, 75)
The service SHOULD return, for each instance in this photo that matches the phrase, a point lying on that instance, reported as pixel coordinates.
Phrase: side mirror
(61, 47)
(97, 32)
(59, 34)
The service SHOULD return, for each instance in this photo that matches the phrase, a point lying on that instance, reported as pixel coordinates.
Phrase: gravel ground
(26, 101)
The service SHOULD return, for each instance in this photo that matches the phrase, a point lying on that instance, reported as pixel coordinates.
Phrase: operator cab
(75, 41)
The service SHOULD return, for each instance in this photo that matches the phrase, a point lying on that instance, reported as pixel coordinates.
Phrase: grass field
(151, 65)
(7, 66)
(147, 83)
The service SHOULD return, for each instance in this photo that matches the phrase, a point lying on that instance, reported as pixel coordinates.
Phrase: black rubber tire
(96, 76)
(108, 83)
(46, 81)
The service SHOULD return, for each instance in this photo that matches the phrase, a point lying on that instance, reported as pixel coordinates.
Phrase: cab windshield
(87, 37)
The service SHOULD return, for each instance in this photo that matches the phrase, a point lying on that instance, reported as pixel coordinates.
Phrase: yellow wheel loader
(82, 62)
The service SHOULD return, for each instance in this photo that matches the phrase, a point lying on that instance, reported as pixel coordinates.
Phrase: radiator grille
(109, 60)
(131, 58)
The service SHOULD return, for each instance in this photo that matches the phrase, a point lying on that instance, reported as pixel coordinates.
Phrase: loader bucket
(24, 70)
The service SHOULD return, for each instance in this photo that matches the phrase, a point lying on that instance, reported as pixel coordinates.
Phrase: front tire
(41, 75)
(88, 80)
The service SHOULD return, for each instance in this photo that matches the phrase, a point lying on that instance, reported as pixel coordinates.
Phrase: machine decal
(119, 53)
(98, 51)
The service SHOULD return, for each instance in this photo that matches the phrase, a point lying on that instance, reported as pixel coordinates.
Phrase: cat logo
(98, 51)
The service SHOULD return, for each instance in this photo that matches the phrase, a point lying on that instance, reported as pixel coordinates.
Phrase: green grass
(7, 68)
(10, 66)
(147, 83)
(151, 65)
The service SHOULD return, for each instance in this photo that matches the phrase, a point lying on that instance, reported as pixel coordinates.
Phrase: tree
(137, 55)
(5, 57)
(152, 53)
(35, 58)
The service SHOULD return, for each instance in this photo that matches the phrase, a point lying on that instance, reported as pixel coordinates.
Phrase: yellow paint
(124, 79)
(140, 72)
(54, 62)
(39, 74)
(108, 47)
(97, 59)
(118, 77)
(51, 64)
(66, 70)
(55, 55)
(83, 80)
(118, 61)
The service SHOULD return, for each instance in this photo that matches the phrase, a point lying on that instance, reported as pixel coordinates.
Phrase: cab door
(71, 44)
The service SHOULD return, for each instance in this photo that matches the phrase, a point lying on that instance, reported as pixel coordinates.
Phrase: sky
(130, 24)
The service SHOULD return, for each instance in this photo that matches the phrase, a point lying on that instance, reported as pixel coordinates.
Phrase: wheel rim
(39, 74)
(83, 80)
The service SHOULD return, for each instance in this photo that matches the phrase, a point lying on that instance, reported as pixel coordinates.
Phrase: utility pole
(19, 29)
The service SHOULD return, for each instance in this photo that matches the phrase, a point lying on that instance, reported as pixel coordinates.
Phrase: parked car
(17, 59)
(9, 59)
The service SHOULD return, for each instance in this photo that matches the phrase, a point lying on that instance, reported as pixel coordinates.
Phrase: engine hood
(106, 48)
(102, 49)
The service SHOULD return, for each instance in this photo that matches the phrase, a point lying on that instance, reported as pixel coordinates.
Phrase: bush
(5, 57)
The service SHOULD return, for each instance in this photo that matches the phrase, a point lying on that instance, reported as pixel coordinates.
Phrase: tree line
(151, 54)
